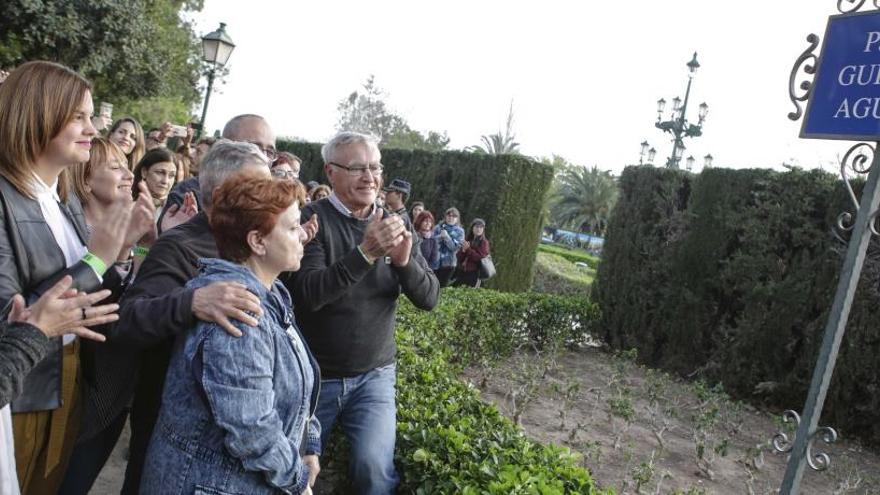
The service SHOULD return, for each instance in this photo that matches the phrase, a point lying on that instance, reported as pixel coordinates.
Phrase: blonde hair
(36, 101)
(140, 146)
(103, 152)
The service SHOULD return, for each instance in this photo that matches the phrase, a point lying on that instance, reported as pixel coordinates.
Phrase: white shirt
(335, 201)
(62, 228)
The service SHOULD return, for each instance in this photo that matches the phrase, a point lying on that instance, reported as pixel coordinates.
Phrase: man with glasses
(247, 128)
(345, 296)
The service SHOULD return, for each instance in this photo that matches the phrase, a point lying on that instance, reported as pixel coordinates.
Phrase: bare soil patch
(643, 431)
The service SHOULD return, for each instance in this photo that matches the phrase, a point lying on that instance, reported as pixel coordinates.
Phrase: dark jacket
(22, 346)
(237, 409)
(430, 251)
(469, 261)
(346, 306)
(30, 263)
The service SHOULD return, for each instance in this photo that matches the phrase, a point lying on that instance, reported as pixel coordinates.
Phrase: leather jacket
(30, 263)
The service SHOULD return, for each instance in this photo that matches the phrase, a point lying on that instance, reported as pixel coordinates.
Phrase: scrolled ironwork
(808, 61)
(859, 161)
(820, 461)
(781, 442)
(854, 5)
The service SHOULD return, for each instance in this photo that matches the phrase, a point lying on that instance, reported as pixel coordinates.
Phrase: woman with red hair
(235, 409)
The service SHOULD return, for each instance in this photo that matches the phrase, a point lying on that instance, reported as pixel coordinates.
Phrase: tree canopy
(498, 143)
(582, 198)
(139, 55)
(366, 111)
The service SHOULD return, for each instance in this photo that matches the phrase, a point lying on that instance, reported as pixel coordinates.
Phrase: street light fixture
(651, 154)
(643, 152)
(677, 125)
(689, 163)
(217, 46)
(707, 161)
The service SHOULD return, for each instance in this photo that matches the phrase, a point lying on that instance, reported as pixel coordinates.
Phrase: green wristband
(96, 263)
(140, 251)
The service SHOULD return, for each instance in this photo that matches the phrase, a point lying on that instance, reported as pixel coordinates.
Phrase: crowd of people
(230, 313)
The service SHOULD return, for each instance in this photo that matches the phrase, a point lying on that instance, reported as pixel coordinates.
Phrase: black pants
(89, 457)
(444, 275)
(470, 279)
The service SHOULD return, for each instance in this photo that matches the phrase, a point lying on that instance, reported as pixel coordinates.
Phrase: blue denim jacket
(235, 410)
(449, 247)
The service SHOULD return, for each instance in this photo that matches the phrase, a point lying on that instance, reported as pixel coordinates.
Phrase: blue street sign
(845, 100)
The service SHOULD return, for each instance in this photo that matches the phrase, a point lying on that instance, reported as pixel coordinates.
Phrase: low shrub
(450, 441)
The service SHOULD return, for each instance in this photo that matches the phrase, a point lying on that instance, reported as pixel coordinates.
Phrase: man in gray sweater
(345, 299)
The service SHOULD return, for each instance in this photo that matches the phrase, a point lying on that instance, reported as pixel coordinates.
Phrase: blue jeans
(365, 407)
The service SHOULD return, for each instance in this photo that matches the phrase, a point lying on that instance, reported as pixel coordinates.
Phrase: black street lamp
(217, 46)
(677, 125)
(645, 151)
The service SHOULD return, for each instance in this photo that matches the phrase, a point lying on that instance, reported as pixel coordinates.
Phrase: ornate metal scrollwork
(820, 461)
(857, 159)
(781, 442)
(854, 5)
(808, 61)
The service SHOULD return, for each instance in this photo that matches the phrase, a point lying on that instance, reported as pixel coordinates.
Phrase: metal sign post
(843, 102)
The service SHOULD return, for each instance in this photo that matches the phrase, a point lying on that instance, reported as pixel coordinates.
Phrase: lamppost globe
(693, 65)
(651, 154)
(217, 46)
(704, 111)
(689, 163)
(644, 147)
(707, 161)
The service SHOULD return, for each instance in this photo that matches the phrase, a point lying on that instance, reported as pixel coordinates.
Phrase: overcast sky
(584, 76)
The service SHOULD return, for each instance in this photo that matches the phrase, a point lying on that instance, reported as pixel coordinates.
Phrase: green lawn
(556, 275)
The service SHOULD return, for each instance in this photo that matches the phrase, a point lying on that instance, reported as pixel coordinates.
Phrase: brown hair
(247, 201)
(103, 152)
(152, 157)
(424, 215)
(36, 101)
(286, 157)
(140, 146)
(322, 188)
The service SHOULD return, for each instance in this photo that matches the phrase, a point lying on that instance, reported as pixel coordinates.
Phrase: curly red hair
(245, 202)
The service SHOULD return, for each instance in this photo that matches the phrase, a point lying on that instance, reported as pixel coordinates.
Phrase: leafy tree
(584, 199)
(498, 143)
(136, 53)
(366, 111)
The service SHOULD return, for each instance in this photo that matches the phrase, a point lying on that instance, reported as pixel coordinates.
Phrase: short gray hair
(346, 138)
(224, 159)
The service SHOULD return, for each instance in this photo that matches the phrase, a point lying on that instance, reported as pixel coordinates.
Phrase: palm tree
(499, 144)
(584, 199)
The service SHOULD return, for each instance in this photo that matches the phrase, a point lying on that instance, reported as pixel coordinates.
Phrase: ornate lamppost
(677, 125)
(217, 46)
(649, 152)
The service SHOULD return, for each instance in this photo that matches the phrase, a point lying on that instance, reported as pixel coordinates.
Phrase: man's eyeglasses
(284, 174)
(270, 153)
(375, 169)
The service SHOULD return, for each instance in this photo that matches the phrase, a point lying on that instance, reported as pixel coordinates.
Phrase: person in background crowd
(396, 194)
(320, 192)
(250, 400)
(157, 307)
(449, 236)
(45, 128)
(286, 166)
(184, 163)
(380, 199)
(199, 152)
(417, 208)
(129, 136)
(474, 248)
(99, 183)
(155, 139)
(424, 226)
(26, 336)
(346, 294)
(159, 170)
(248, 128)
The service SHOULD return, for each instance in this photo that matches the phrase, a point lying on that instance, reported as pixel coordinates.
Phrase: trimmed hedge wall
(507, 191)
(730, 275)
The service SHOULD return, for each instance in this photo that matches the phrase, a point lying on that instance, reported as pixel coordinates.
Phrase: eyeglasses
(270, 153)
(375, 169)
(284, 174)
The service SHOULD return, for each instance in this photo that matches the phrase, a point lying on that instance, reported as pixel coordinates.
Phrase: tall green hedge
(507, 191)
(730, 275)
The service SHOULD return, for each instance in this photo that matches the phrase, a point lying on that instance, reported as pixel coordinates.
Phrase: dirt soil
(638, 429)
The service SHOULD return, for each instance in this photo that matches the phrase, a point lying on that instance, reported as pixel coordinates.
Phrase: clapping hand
(310, 228)
(382, 235)
(180, 214)
(61, 311)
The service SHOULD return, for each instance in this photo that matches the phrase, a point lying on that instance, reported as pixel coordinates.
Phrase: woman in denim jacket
(449, 236)
(237, 413)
